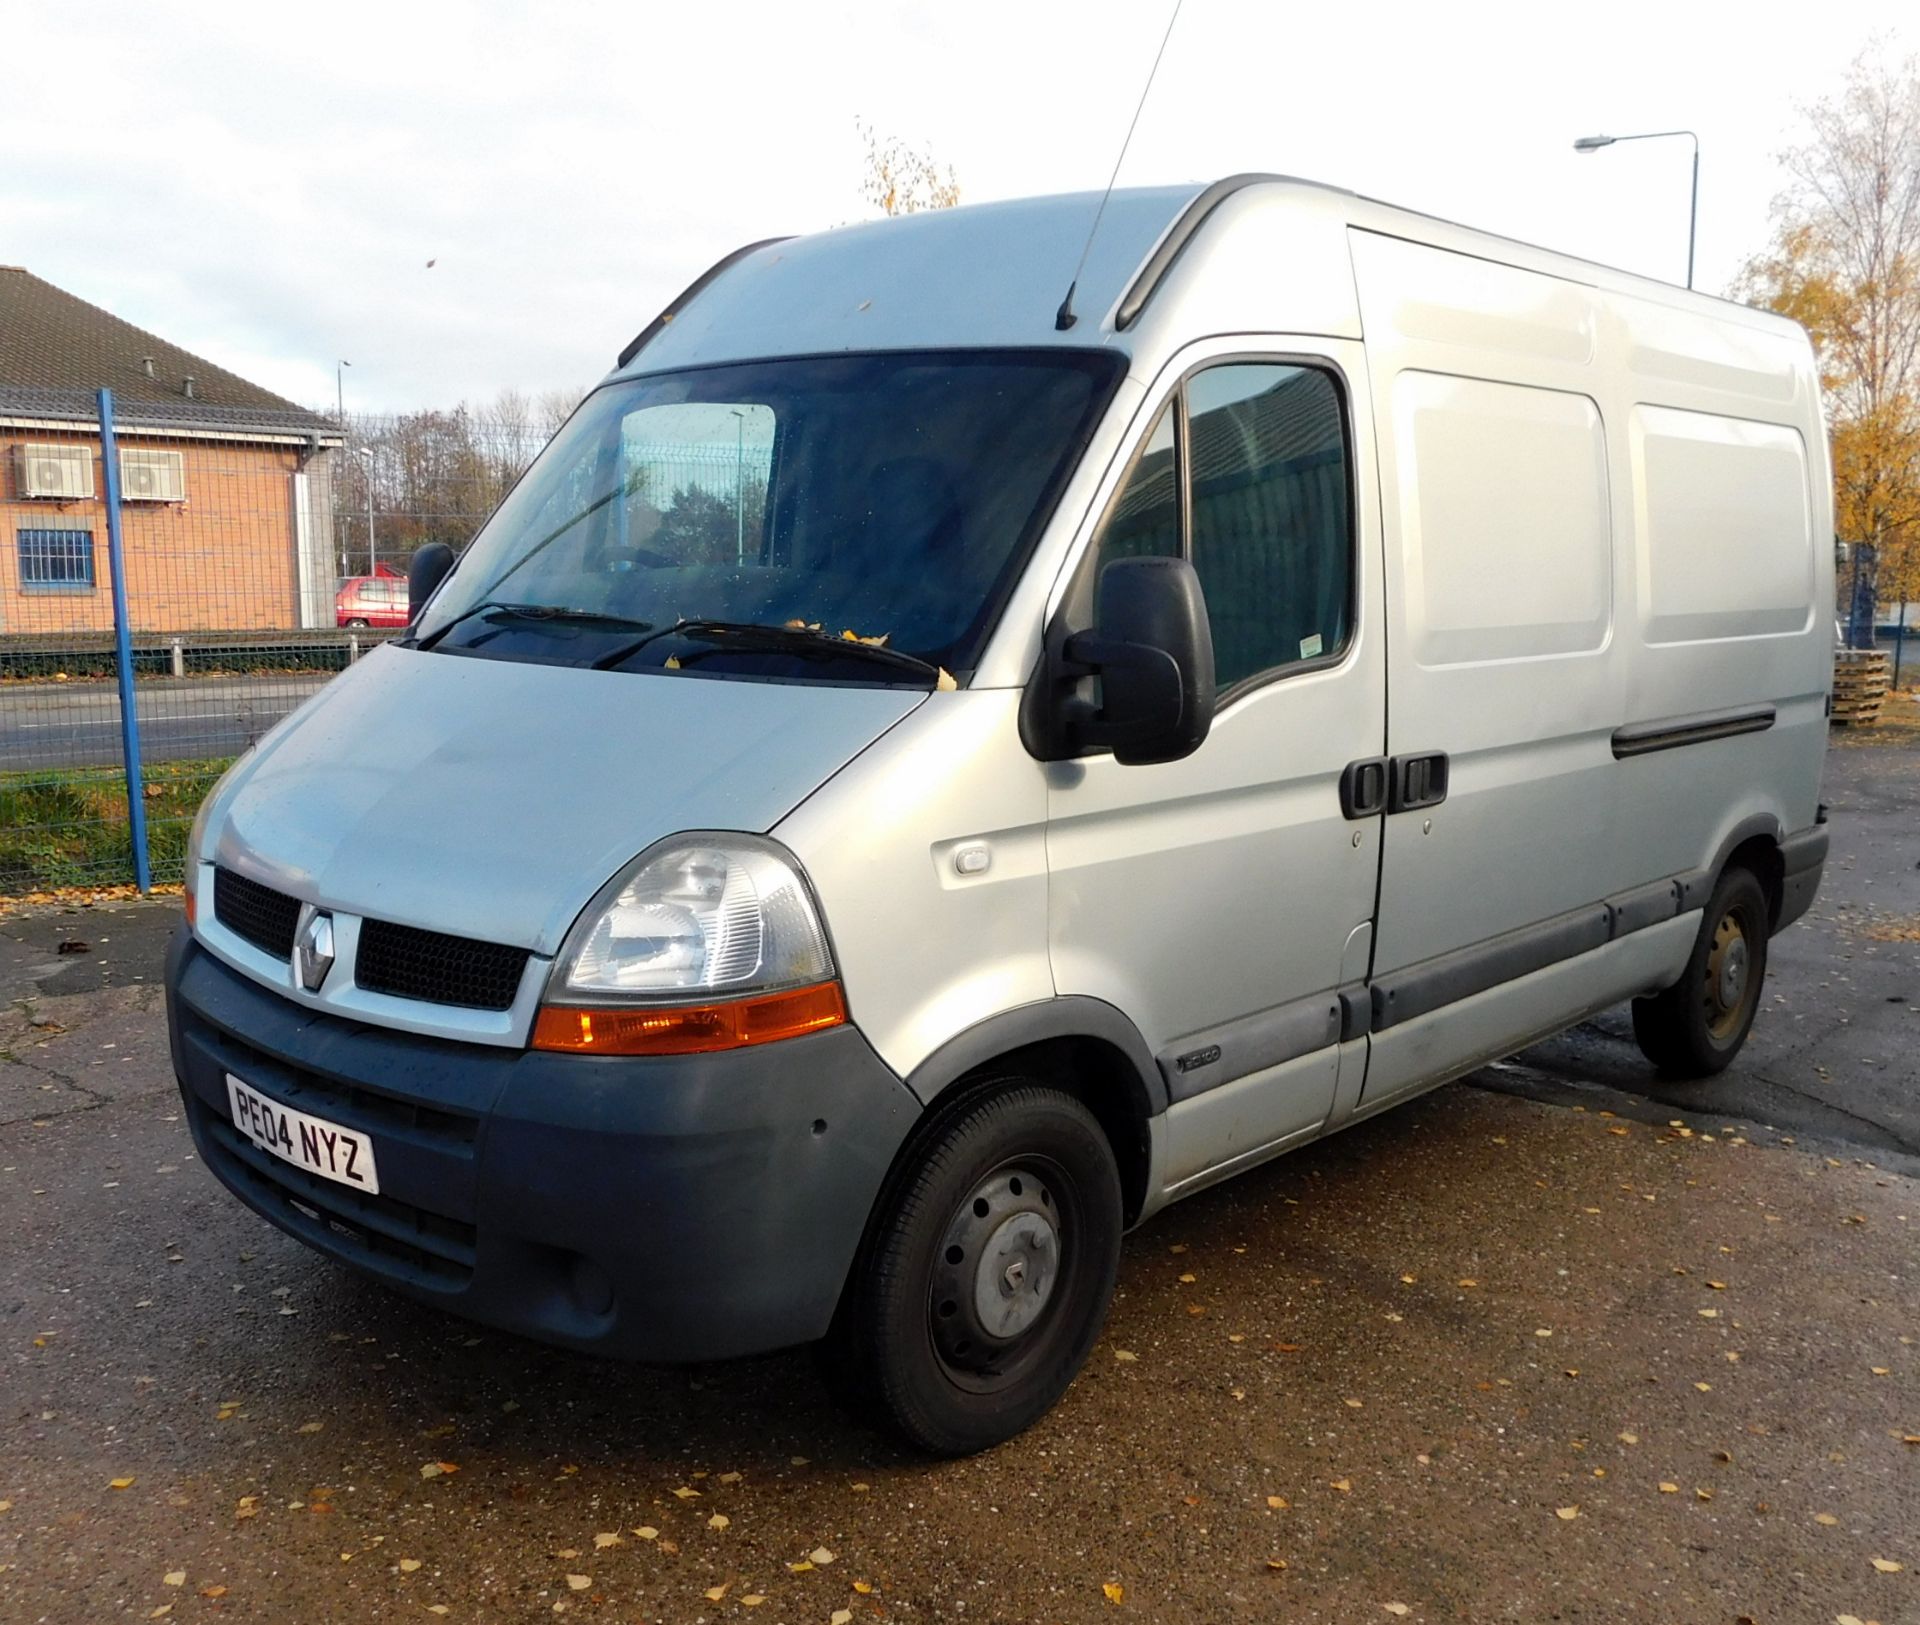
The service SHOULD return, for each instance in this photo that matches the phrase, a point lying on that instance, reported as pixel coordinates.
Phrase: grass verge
(68, 828)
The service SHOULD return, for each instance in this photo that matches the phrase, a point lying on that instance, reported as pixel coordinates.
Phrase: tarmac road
(47, 725)
(1486, 1358)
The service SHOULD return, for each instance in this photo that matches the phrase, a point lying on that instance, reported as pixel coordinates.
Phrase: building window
(56, 560)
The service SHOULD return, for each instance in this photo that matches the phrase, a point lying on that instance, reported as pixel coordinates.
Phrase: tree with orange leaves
(1845, 263)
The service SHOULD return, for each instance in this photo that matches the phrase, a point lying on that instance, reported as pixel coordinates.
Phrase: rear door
(1501, 549)
(1222, 900)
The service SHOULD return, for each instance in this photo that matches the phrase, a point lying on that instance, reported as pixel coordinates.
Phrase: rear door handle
(1417, 781)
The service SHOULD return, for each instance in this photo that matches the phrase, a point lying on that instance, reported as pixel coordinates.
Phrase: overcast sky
(265, 184)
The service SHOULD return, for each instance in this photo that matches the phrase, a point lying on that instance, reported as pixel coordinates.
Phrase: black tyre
(986, 1276)
(1696, 1027)
(356, 621)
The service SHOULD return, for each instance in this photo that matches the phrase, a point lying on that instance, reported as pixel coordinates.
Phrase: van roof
(1249, 253)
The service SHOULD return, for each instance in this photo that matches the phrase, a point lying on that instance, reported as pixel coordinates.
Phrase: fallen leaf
(1354, 1404)
(1543, 1331)
(796, 1461)
(1669, 1488)
(178, 1577)
(579, 1582)
(439, 1608)
(120, 1483)
(1115, 1593)
(1887, 1565)
(1848, 1619)
(646, 1531)
(1189, 1278)
(567, 1554)
(1718, 1286)
(1343, 1485)
(1703, 1495)
(6, 1506)
(310, 1427)
(161, 1612)
(1279, 1503)
(718, 1521)
(715, 1593)
(1125, 1356)
(1628, 1438)
(863, 1587)
(753, 1599)
(1881, 1370)
(687, 1492)
(1408, 1280)
(1826, 1518)
(802, 1567)
(729, 1478)
(1468, 1281)
(1398, 1609)
(820, 1555)
(1704, 1387)
(1708, 1314)
(215, 1592)
(409, 1565)
(1566, 1514)
(1277, 1564)
(841, 1616)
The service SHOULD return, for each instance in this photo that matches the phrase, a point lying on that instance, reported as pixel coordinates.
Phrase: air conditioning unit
(62, 472)
(153, 476)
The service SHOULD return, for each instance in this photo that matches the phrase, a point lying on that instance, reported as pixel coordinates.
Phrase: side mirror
(1152, 649)
(426, 570)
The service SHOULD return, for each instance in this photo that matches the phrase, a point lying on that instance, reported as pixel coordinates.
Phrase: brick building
(226, 489)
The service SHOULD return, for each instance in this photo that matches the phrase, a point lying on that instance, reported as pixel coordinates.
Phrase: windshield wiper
(785, 639)
(537, 612)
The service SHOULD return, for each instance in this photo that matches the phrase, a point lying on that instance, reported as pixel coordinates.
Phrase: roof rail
(1192, 218)
(688, 294)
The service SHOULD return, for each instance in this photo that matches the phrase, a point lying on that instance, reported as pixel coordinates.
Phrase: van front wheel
(988, 1273)
(1696, 1027)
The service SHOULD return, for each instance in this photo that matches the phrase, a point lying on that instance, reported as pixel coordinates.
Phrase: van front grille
(264, 917)
(406, 962)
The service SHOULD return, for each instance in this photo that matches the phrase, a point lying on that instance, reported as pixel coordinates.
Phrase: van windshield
(889, 496)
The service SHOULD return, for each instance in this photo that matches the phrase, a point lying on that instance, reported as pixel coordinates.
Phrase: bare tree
(900, 179)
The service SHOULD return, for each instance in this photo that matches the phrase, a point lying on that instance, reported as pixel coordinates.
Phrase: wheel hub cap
(1733, 973)
(997, 1269)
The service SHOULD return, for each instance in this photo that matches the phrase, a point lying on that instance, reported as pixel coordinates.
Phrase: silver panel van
(919, 775)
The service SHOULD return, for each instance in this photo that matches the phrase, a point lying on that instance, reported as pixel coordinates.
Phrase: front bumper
(683, 1208)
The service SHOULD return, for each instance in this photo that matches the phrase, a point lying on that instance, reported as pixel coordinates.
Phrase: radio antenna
(1064, 317)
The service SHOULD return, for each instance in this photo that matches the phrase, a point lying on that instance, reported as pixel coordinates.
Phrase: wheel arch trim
(1070, 1016)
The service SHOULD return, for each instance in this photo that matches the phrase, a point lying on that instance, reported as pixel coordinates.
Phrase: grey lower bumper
(673, 1209)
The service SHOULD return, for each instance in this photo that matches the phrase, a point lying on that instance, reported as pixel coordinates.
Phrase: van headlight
(703, 942)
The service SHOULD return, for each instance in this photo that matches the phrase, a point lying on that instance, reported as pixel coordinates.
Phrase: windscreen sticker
(1310, 646)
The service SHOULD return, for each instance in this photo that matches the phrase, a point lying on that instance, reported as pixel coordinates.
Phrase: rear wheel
(987, 1275)
(356, 621)
(1696, 1027)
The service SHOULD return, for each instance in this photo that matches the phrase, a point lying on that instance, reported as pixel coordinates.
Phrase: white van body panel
(926, 952)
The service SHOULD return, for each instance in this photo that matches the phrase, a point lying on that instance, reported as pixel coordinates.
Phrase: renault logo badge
(312, 947)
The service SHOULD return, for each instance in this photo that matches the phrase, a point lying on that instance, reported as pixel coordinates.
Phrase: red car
(376, 600)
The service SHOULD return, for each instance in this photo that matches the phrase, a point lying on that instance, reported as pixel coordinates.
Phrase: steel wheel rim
(1004, 1266)
(1727, 982)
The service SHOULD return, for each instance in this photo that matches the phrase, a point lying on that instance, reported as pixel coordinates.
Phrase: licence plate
(311, 1143)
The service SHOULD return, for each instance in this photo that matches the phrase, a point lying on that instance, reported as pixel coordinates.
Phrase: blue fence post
(123, 652)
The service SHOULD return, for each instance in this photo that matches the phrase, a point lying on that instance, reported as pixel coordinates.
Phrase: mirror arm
(1086, 654)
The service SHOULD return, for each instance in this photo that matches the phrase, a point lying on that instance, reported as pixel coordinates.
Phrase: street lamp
(1593, 143)
(367, 452)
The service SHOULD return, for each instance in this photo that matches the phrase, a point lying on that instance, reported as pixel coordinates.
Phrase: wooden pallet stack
(1861, 678)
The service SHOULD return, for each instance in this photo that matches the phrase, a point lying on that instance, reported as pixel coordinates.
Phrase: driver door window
(1246, 474)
